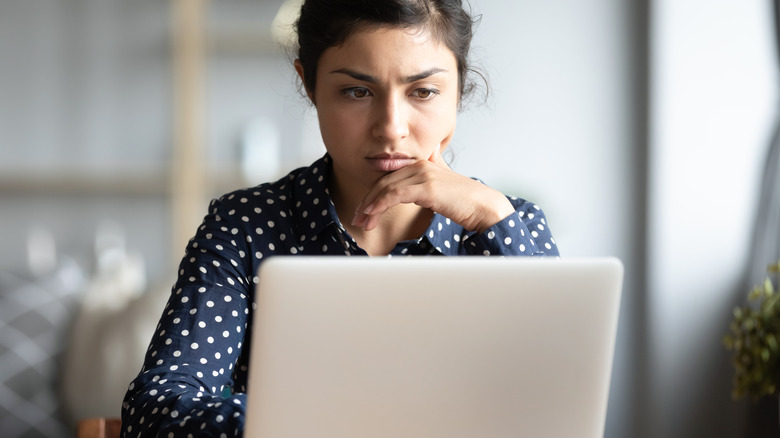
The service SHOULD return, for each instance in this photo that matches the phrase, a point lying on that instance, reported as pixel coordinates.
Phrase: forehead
(388, 49)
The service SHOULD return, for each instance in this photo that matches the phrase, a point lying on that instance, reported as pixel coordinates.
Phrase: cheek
(337, 126)
(438, 125)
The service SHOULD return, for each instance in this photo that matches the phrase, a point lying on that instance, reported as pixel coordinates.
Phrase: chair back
(99, 428)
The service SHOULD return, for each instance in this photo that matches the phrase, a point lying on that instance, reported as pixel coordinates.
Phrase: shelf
(120, 183)
(84, 183)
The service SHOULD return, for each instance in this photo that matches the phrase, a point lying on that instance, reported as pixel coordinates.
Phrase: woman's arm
(500, 225)
(524, 232)
(189, 373)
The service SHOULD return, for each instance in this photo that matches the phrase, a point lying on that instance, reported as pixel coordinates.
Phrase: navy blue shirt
(193, 380)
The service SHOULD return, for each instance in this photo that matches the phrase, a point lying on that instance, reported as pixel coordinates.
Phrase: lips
(389, 162)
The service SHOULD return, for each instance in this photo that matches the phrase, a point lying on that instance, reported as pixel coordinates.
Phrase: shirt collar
(445, 235)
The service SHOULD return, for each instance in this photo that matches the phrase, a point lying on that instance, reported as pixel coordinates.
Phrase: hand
(432, 184)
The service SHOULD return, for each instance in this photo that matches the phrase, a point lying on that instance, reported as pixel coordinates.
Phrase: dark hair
(328, 23)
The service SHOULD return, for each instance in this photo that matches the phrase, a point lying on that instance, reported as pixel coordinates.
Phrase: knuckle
(393, 189)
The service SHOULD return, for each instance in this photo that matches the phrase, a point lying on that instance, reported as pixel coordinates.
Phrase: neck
(402, 222)
(399, 223)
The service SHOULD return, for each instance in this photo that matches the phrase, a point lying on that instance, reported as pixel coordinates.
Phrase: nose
(391, 119)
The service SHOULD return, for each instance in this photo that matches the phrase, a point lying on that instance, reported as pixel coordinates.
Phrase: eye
(425, 93)
(356, 93)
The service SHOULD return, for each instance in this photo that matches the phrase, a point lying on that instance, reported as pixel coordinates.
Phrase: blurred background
(642, 128)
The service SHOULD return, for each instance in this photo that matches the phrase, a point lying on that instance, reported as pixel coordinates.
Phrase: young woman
(386, 78)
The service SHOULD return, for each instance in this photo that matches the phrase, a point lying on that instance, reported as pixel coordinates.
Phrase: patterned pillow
(35, 316)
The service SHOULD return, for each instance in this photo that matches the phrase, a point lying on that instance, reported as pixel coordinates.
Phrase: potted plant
(754, 339)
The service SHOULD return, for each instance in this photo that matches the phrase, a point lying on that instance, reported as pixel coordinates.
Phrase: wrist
(495, 213)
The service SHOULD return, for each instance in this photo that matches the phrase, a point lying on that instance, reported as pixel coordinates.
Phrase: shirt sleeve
(522, 233)
(186, 385)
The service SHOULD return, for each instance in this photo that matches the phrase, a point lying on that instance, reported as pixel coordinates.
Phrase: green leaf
(754, 339)
(769, 289)
(771, 340)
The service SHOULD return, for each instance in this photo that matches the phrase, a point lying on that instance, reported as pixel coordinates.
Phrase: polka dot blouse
(193, 380)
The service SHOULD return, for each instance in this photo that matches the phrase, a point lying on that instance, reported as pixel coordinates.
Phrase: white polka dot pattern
(194, 375)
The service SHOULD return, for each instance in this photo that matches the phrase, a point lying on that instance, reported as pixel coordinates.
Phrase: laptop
(359, 347)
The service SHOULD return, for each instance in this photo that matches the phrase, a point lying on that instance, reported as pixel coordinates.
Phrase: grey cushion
(35, 318)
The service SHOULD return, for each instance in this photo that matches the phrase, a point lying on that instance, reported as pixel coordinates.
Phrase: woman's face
(385, 98)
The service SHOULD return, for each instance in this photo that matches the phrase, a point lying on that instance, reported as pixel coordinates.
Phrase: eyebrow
(406, 80)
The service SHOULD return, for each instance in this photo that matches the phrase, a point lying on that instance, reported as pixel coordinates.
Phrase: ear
(299, 70)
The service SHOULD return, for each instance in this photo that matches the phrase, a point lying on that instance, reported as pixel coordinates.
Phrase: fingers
(390, 183)
(428, 183)
(400, 187)
(431, 184)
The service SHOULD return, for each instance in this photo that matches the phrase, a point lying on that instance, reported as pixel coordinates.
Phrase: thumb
(437, 159)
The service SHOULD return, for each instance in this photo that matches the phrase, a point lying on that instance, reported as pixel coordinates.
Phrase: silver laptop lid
(432, 347)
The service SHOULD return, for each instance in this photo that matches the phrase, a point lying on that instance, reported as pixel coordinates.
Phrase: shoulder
(255, 197)
(266, 197)
(274, 214)
(280, 192)
(525, 206)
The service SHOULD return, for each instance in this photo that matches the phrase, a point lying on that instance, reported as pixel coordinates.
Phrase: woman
(387, 78)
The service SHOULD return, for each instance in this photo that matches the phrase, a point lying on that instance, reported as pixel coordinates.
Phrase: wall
(714, 97)
(85, 97)
(567, 116)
